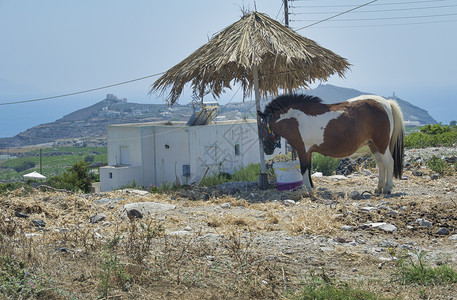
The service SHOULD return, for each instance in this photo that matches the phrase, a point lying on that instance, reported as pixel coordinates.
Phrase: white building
(156, 153)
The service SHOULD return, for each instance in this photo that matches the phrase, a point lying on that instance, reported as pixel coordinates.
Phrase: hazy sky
(52, 47)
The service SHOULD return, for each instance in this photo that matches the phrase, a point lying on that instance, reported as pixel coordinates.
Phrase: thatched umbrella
(257, 52)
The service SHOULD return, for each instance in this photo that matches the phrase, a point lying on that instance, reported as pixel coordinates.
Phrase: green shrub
(422, 140)
(89, 158)
(74, 179)
(248, 173)
(16, 282)
(25, 165)
(324, 164)
(11, 186)
(212, 180)
(418, 273)
(435, 128)
(439, 165)
(432, 136)
(322, 288)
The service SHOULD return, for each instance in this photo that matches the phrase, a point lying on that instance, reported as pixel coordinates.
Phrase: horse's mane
(284, 101)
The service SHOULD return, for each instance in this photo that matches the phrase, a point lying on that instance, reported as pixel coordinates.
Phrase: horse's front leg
(305, 167)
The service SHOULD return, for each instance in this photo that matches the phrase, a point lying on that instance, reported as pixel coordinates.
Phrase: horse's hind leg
(385, 164)
(388, 162)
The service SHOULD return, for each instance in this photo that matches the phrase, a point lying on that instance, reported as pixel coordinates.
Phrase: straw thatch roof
(285, 60)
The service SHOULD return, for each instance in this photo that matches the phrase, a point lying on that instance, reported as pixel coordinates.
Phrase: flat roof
(181, 123)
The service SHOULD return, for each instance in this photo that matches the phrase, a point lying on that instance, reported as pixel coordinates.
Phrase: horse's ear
(261, 114)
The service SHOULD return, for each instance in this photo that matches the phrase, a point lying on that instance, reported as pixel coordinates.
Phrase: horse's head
(269, 139)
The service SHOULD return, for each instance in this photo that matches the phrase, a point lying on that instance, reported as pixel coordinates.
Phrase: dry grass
(247, 251)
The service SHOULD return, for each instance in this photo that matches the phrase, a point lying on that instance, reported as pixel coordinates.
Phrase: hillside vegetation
(54, 161)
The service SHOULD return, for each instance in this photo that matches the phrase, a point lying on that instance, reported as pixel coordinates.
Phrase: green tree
(76, 178)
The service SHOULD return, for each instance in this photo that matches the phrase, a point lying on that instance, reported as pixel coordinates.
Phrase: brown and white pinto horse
(337, 130)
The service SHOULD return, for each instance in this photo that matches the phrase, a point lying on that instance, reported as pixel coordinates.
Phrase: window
(237, 149)
(110, 174)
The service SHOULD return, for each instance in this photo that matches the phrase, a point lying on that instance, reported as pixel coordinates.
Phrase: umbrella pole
(263, 179)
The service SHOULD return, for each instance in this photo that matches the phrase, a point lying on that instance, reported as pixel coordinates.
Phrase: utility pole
(286, 22)
(41, 162)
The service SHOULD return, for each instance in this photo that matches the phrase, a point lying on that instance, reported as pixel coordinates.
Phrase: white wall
(112, 177)
(124, 137)
(171, 147)
(161, 151)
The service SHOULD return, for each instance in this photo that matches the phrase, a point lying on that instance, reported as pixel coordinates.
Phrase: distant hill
(90, 123)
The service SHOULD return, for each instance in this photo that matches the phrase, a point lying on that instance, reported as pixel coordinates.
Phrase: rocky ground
(344, 234)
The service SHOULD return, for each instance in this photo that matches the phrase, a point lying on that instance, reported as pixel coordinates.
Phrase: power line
(344, 12)
(387, 25)
(379, 4)
(380, 10)
(387, 18)
(82, 92)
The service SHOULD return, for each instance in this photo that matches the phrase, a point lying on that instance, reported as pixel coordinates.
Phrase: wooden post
(286, 13)
(263, 179)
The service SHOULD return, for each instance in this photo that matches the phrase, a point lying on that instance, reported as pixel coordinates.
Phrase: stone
(424, 223)
(451, 159)
(225, 205)
(417, 173)
(180, 233)
(435, 176)
(97, 218)
(211, 257)
(388, 227)
(388, 244)
(136, 192)
(104, 201)
(38, 223)
(443, 231)
(32, 234)
(234, 191)
(392, 213)
(20, 214)
(347, 228)
(63, 249)
(134, 214)
(146, 208)
(453, 237)
(368, 208)
(289, 202)
(355, 195)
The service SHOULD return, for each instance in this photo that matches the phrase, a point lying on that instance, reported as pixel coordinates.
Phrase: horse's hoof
(378, 191)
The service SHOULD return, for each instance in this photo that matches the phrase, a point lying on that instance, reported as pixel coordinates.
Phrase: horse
(337, 130)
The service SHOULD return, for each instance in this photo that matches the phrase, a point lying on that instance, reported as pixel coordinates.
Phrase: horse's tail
(397, 139)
